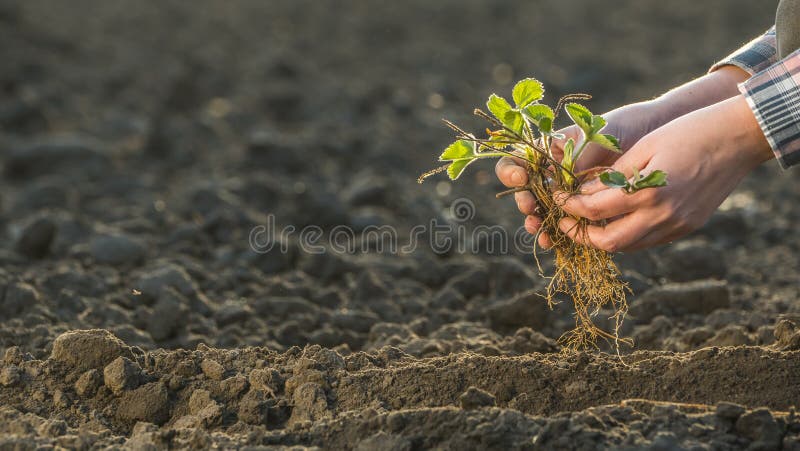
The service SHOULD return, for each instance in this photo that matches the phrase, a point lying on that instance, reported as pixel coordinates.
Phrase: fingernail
(516, 177)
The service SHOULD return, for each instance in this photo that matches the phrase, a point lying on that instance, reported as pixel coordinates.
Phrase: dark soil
(141, 143)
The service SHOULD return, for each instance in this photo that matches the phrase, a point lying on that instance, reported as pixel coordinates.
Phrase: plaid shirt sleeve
(774, 96)
(773, 93)
(755, 56)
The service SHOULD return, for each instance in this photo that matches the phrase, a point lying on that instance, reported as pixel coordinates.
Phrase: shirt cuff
(754, 56)
(774, 96)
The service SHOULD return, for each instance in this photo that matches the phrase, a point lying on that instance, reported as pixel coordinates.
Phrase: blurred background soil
(141, 143)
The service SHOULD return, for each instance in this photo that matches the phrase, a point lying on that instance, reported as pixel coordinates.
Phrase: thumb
(637, 157)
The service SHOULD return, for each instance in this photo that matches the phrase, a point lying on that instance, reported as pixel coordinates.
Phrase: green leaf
(609, 142)
(514, 121)
(581, 116)
(527, 91)
(598, 123)
(614, 179)
(459, 150)
(457, 167)
(653, 180)
(494, 144)
(569, 148)
(498, 106)
(546, 126)
(538, 113)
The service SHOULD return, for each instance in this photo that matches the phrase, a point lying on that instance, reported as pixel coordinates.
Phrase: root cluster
(586, 275)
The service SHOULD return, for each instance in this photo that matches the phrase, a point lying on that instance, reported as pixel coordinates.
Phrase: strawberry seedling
(588, 276)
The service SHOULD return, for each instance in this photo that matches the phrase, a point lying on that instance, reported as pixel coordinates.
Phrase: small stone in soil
(729, 410)
(88, 383)
(18, 297)
(153, 282)
(10, 375)
(475, 398)
(116, 249)
(760, 427)
(150, 403)
(122, 374)
(212, 369)
(36, 238)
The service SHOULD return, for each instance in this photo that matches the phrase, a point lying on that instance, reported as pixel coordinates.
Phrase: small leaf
(494, 144)
(569, 148)
(598, 123)
(514, 121)
(609, 142)
(636, 176)
(581, 116)
(498, 106)
(568, 162)
(546, 126)
(614, 179)
(653, 180)
(538, 113)
(457, 167)
(527, 91)
(461, 149)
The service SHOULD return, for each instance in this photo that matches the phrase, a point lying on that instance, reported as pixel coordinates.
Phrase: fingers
(597, 201)
(544, 241)
(511, 172)
(592, 186)
(618, 236)
(603, 204)
(532, 226)
(638, 157)
(526, 202)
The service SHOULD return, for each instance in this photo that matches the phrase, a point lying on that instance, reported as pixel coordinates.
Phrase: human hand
(628, 123)
(705, 154)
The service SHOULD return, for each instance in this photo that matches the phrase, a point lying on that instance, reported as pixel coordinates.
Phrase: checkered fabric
(773, 93)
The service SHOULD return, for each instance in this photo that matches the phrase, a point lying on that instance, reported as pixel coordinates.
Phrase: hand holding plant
(706, 152)
(525, 132)
(628, 123)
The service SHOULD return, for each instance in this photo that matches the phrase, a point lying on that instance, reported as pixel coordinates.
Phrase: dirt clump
(81, 350)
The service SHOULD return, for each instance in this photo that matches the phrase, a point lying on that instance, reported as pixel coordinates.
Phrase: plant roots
(588, 276)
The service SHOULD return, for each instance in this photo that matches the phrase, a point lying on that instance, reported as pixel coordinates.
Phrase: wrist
(748, 131)
(738, 131)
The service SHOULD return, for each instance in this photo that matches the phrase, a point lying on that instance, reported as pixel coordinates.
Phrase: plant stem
(508, 192)
(580, 151)
(490, 154)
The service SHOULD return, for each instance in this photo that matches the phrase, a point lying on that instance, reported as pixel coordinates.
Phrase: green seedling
(615, 179)
(525, 130)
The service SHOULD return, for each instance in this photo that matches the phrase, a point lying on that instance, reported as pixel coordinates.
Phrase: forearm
(707, 90)
(632, 122)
